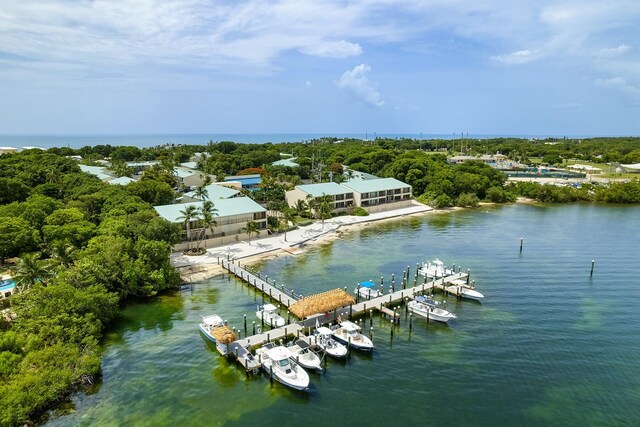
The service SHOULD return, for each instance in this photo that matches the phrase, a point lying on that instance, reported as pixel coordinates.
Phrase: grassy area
(607, 171)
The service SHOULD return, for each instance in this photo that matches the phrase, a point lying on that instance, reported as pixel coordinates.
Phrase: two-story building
(342, 197)
(379, 194)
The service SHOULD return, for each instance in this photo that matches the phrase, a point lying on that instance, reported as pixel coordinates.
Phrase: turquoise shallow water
(549, 346)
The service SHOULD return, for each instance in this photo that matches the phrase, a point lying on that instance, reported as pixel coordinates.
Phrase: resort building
(139, 167)
(341, 196)
(380, 194)
(248, 182)
(213, 192)
(286, 162)
(123, 180)
(101, 172)
(232, 217)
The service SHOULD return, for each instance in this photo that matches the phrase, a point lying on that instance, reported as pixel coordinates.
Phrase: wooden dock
(262, 283)
(241, 348)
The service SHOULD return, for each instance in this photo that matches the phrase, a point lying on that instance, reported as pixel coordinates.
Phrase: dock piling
(245, 323)
(593, 263)
(521, 240)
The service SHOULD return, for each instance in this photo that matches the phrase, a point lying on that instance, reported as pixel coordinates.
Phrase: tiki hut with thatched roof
(321, 303)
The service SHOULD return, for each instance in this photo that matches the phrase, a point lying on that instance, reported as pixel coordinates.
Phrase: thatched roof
(223, 334)
(321, 303)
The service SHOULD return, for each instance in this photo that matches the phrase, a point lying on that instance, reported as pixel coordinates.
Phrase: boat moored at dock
(467, 291)
(267, 313)
(434, 269)
(348, 333)
(216, 331)
(302, 353)
(277, 361)
(367, 290)
(430, 309)
(325, 342)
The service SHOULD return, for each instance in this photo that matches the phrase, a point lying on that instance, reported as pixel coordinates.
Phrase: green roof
(142, 164)
(323, 189)
(225, 207)
(184, 173)
(370, 185)
(98, 171)
(123, 180)
(190, 165)
(215, 192)
(285, 162)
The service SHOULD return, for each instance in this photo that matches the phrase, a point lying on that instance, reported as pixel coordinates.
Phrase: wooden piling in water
(593, 263)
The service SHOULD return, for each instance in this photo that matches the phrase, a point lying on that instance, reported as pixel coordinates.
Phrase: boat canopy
(279, 353)
(302, 344)
(268, 307)
(367, 284)
(349, 326)
(323, 330)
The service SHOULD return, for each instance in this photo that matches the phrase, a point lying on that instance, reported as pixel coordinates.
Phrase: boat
(434, 269)
(348, 333)
(217, 332)
(301, 352)
(430, 309)
(267, 312)
(325, 341)
(366, 290)
(277, 361)
(467, 291)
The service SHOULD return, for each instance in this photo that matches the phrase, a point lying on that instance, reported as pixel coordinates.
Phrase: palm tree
(313, 204)
(325, 208)
(201, 192)
(187, 215)
(207, 212)
(288, 215)
(251, 228)
(31, 270)
(62, 253)
(301, 207)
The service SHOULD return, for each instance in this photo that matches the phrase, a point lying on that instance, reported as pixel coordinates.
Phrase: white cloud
(356, 82)
(341, 49)
(518, 57)
(613, 51)
(621, 85)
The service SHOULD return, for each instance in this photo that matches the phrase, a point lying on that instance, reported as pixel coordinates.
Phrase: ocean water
(150, 140)
(550, 345)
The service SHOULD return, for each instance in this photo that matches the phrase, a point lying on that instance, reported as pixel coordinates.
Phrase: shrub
(467, 200)
(360, 212)
(442, 201)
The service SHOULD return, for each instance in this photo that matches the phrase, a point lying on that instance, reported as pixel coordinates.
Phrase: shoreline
(196, 268)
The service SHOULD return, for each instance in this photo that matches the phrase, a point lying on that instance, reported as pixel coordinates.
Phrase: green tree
(16, 236)
(187, 216)
(208, 212)
(325, 208)
(152, 191)
(31, 270)
(288, 216)
(251, 228)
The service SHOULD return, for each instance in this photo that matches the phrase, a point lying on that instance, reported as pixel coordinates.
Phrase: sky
(313, 66)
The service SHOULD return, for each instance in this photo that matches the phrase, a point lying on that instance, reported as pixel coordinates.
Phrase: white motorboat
(277, 361)
(325, 342)
(301, 352)
(434, 269)
(467, 291)
(214, 329)
(268, 313)
(348, 333)
(430, 309)
(366, 290)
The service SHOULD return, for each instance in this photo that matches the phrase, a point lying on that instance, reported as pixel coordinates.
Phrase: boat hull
(436, 314)
(354, 344)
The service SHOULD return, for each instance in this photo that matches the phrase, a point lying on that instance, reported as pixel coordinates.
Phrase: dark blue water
(550, 345)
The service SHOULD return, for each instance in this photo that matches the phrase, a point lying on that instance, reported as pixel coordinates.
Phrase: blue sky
(202, 66)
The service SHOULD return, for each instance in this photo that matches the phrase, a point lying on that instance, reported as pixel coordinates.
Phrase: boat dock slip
(272, 335)
(260, 282)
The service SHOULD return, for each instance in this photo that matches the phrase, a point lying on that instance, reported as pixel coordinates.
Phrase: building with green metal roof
(213, 193)
(232, 215)
(374, 192)
(342, 197)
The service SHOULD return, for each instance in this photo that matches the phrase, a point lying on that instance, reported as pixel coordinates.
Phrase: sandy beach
(196, 268)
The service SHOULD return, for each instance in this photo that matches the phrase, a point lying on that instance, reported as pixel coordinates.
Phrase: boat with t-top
(367, 290)
(277, 361)
(349, 333)
(325, 342)
(434, 269)
(216, 331)
(267, 312)
(302, 353)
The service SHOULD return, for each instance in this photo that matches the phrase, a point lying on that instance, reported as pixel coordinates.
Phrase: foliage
(358, 211)
(467, 200)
